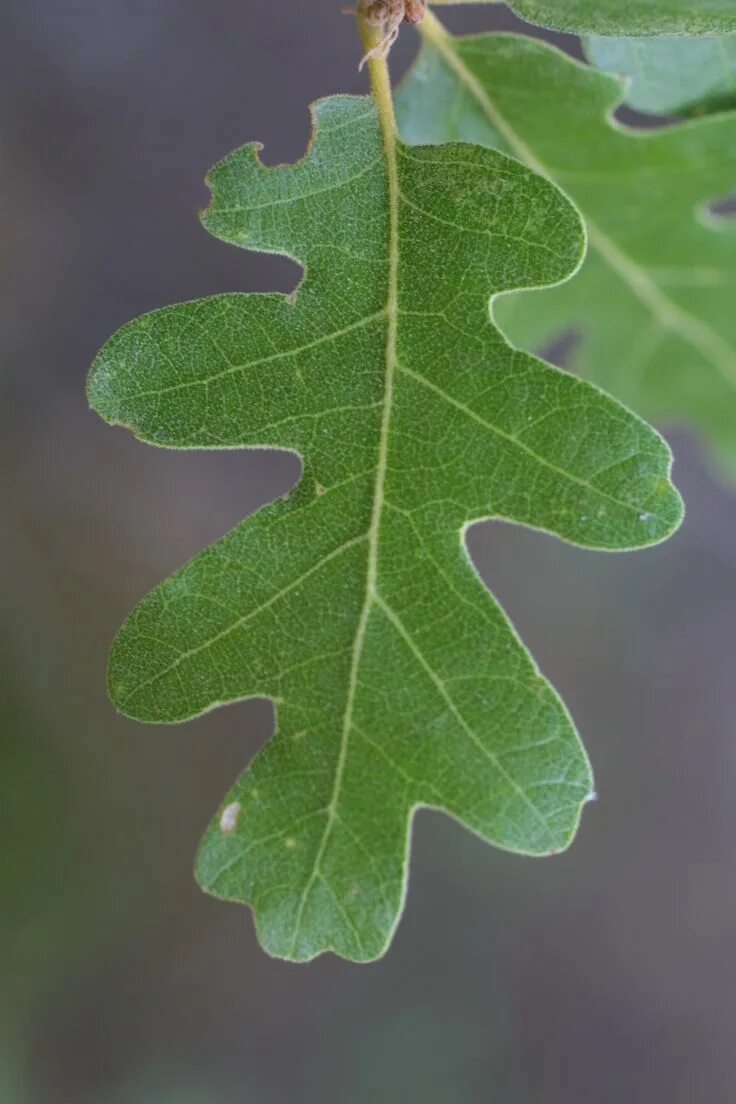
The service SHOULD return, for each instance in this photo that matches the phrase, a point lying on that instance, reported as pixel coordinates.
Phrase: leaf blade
(351, 603)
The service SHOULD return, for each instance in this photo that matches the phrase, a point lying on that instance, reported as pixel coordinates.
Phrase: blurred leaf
(351, 602)
(428, 1054)
(10, 1082)
(654, 301)
(39, 883)
(671, 75)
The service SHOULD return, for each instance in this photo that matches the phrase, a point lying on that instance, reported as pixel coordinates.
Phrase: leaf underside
(630, 17)
(351, 602)
(653, 303)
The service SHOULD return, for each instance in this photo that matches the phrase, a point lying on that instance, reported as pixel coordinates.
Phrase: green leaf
(670, 75)
(351, 602)
(630, 17)
(654, 301)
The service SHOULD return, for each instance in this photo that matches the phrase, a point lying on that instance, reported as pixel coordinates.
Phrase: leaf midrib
(672, 317)
(390, 142)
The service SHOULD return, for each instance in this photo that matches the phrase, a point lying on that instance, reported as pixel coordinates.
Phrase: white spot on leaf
(229, 818)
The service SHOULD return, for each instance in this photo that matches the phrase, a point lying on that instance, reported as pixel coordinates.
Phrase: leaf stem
(371, 36)
(432, 28)
(434, 31)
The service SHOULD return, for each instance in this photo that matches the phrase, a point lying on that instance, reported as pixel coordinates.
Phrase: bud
(414, 10)
(377, 11)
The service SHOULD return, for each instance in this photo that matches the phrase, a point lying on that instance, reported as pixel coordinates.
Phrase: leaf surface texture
(351, 602)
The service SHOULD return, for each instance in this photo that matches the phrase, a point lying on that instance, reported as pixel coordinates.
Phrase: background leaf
(653, 302)
(670, 75)
(351, 602)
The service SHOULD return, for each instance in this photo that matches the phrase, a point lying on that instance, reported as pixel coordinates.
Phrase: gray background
(604, 975)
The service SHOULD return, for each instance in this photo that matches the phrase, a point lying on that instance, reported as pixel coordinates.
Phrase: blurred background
(607, 974)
